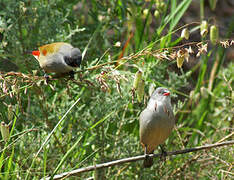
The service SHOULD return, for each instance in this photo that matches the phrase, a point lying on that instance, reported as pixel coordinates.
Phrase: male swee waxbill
(59, 58)
(156, 122)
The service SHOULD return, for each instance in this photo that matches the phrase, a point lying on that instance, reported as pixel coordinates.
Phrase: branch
(133, 159)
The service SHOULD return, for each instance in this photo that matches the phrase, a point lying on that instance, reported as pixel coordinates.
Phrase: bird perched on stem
(60, 58)
(156, 123)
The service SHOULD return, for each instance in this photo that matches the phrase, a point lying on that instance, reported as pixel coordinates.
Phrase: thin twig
(226, 137)
(136, 158)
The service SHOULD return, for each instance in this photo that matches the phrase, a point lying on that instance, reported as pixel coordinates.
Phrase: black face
(75, 59)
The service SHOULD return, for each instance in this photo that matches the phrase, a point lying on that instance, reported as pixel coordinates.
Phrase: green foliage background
(103, 125)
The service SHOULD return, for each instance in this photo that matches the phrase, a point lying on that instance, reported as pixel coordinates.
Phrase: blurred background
(117, 39)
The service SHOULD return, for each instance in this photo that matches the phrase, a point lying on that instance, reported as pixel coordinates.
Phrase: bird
(59, 58)
(156, 123)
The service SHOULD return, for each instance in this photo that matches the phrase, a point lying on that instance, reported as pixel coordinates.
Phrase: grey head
(161, 97)
(160, 94)
(74, 59)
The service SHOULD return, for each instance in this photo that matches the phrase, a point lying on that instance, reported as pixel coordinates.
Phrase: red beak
(166, 94)
(36, 53)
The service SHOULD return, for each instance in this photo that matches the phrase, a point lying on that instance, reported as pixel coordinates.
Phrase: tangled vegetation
(65, 124)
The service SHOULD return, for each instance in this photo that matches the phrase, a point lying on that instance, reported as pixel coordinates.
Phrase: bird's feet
(163, 153)
(148, 162)
(146, 156)
(46, 76)
(71, 74)
(145, 153)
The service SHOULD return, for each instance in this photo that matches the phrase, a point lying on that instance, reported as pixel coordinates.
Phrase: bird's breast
(54, 63)
(155, 127)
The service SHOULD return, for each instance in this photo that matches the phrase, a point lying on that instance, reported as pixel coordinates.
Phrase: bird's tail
(148, 162)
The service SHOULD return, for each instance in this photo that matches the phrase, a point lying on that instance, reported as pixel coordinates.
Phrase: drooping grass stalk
(220, 57)
(202, 10)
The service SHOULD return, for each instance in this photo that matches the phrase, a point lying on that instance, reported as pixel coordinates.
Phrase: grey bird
(156, 122)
